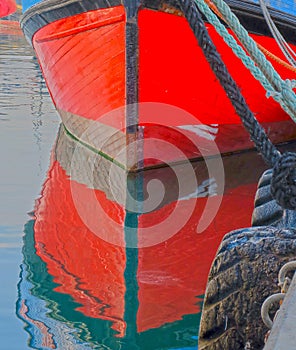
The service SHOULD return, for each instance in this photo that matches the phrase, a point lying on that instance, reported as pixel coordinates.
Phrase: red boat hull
(91, 75)
(7, 7)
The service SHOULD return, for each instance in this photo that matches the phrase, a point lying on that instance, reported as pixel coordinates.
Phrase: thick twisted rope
(242, 55)
(261, 48)
(269, 152)
(283, 182)
(282, 87)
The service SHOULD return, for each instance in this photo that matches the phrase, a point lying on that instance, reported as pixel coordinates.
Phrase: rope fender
(283, 184)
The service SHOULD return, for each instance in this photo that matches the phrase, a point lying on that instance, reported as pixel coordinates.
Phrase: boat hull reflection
(96, 286)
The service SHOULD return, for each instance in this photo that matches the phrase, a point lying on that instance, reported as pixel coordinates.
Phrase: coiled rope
(284, 164)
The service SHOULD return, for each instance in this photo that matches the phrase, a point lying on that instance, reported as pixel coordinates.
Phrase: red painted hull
(170, 275)
(84, 61)
(7, 7)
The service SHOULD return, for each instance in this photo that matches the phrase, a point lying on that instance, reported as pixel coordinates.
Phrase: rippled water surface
(26, 138)
(64, 283)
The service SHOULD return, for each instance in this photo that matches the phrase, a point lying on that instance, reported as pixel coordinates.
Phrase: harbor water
(26, 141)
(67, 281)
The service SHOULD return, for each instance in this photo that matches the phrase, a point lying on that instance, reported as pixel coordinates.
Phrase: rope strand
(241, 54)
(283, 184)
(256, 62)
(257, 133)
(282, 87)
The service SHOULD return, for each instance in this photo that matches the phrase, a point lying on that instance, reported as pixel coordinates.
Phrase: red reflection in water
(170, 275)
(10, 28)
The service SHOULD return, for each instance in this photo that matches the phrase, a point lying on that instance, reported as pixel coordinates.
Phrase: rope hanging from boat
(283, 45)
(261, 48)
(241, 54)
(284, 174)
(281, 90)
(276, 59)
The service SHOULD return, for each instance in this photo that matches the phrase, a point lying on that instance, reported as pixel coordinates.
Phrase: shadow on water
(83, 286)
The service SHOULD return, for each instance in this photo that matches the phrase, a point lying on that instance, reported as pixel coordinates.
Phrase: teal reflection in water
(53, 322)
(79, 290)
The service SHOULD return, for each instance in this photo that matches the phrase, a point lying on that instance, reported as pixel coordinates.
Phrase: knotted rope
(284, 173)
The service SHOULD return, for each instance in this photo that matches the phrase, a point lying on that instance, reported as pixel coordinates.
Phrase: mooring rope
(281, 90)
(242, 55)
(283, 87)
(283, 45)
(285, 164)
(276, 58)
(261, 48)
